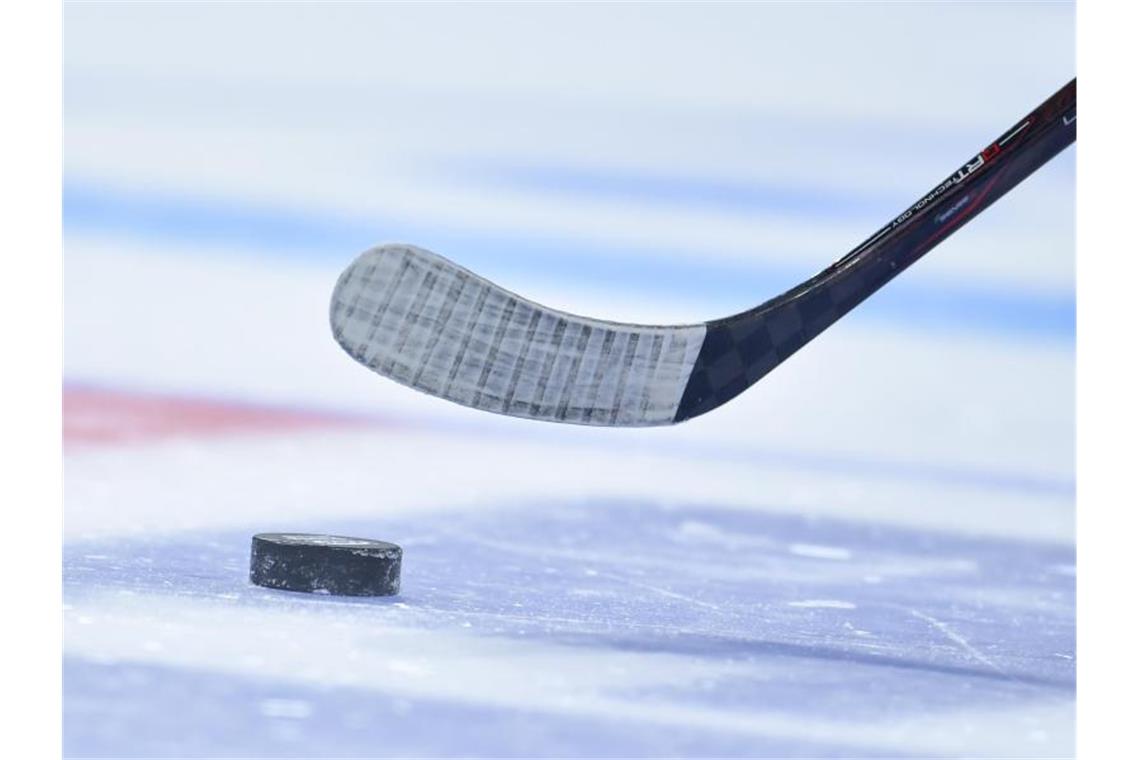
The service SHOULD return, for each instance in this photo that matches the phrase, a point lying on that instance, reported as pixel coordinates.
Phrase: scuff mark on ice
(834, 604)
(815, 551)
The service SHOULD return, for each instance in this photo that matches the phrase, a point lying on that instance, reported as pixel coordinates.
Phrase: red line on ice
(94, 416)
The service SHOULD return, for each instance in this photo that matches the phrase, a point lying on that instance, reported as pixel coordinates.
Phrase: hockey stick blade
(426, 322)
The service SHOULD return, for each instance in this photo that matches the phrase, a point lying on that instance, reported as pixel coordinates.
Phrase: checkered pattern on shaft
(740, 350)
(423, 321)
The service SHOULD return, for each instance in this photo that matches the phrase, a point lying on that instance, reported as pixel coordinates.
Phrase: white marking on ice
(700, 530)
(693, 530)
(960, 640)
(817, 551)
(591, 593)
(917, 567)
(662, 591)
(1063, 569)
(856, 631)
(833, 604)
(295, 709)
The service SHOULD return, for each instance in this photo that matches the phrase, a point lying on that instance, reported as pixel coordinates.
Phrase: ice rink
(870, 553)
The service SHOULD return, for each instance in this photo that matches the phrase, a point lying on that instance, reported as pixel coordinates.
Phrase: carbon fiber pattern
(741, 349)
(423, 321)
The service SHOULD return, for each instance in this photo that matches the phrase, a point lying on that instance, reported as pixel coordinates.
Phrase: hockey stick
(428, 323)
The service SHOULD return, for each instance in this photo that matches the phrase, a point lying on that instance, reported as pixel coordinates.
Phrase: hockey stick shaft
(756, 341)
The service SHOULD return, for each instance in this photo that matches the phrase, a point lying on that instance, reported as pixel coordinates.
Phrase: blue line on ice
(724, 195)
(333, 240)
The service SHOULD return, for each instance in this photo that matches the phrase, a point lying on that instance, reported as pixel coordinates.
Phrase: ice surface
(611, 611)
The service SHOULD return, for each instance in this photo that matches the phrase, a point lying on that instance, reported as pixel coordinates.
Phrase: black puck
(321, 564)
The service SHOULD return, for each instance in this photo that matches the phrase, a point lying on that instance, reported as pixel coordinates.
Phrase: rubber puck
(320, 564)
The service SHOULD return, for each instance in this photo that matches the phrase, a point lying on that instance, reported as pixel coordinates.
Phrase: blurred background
(640, 162)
